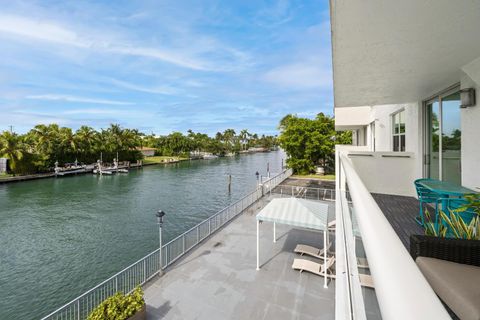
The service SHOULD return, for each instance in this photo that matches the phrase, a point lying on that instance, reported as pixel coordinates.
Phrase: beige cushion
(458, 285)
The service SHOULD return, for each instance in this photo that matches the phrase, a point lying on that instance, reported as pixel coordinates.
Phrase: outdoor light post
(160, 214)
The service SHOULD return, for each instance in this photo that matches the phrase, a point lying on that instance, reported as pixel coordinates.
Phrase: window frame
(396, 123)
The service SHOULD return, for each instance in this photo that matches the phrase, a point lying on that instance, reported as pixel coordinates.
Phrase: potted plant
(454, 225)
(121, 307)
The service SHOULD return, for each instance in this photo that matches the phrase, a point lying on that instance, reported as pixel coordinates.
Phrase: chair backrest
(424, 194)
(330, 262)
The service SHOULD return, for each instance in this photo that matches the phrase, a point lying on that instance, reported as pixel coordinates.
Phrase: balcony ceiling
(400, 51)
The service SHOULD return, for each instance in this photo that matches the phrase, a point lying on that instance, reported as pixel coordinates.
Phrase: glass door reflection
(443, 129)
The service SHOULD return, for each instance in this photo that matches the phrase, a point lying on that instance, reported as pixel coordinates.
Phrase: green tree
(11, 147)
(310, 142)
(87, 143)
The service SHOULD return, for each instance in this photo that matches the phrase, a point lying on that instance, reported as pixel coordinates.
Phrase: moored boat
(209, 156)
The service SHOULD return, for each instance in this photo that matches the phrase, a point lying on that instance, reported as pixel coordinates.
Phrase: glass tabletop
(444, 187)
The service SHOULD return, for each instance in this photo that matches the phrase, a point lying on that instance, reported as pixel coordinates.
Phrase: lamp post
(160, 214)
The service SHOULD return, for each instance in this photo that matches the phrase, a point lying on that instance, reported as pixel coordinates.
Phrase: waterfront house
(147, 152)
(3, 165)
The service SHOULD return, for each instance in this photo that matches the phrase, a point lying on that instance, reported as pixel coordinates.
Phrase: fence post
(198, 235)
(209, 226)
(183, 242)
(78, 309)
(144, 271)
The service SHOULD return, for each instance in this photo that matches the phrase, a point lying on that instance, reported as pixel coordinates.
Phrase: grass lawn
(5, 175)
(160, 159)
(315, 176)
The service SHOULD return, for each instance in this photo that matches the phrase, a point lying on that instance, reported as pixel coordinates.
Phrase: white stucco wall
(413, 131)
(386, 172)
(383, 126)
(470, 121)
(352, 118)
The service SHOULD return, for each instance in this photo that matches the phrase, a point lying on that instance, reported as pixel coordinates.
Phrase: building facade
(405, 78)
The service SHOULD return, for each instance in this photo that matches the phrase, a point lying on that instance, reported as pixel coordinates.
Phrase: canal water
(61, 236)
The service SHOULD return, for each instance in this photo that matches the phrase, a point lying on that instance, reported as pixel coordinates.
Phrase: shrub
(119, 306)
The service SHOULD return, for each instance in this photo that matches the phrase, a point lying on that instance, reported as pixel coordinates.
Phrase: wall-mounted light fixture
(467, 97)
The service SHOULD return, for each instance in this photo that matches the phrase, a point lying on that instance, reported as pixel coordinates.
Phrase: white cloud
(26, 120)
(93, 40)
(254, 110)
(67, 98)
(42, 31)
(166, 90)
(302, 75)
(92, 111)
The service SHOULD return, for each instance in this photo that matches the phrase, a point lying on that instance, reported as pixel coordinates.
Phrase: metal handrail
(312, 193)
(401, 289)
(81, 306)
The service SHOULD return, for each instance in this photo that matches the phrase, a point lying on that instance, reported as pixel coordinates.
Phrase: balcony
(218, 279)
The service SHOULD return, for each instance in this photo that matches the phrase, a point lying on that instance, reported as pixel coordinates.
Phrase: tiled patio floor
(218, 280)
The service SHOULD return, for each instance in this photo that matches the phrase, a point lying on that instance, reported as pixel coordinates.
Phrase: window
(398, 131)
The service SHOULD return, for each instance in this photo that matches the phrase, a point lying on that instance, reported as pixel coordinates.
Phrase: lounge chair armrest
(455, 250)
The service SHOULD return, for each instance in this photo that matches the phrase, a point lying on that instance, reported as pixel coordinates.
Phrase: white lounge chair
(313, 267)
(311, 251)
(366, 280)
(318, 253)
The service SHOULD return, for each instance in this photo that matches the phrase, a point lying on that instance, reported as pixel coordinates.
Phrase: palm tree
(11, 146)
(228, 135)
(87, 143)
(244, 136)
(68, 144)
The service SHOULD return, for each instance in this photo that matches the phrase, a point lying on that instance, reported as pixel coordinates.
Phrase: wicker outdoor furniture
(452, 268)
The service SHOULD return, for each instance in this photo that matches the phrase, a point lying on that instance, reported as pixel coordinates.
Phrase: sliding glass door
(443, 137)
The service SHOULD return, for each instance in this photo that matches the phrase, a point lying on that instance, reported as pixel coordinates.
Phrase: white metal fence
(146, 268)
(305, 192)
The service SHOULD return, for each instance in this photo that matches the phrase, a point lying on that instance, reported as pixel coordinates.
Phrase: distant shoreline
(36, 176)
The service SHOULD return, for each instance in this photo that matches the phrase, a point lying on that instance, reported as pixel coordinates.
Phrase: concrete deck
(218, 280)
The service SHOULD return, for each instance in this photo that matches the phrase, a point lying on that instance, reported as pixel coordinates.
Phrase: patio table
(446, 189)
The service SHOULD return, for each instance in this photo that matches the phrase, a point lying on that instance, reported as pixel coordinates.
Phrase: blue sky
(164, 66)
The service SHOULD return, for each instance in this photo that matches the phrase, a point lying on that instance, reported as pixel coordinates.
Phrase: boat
(209, 156)
(69, 168)
(67, 171)
(102, 171)
(110, 170)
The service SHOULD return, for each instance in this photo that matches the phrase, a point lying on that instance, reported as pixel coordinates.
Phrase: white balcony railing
(401, 289)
